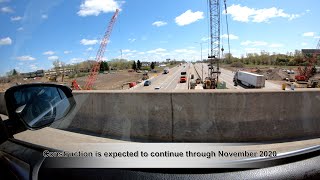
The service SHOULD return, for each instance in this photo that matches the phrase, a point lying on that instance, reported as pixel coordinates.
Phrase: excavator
(306, 72)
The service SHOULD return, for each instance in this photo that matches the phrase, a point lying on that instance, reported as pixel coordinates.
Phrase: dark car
(147, 83)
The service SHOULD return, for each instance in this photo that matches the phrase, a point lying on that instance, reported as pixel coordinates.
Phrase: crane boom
(96, 67)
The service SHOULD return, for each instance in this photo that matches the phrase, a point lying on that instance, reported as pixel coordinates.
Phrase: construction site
(208, 73)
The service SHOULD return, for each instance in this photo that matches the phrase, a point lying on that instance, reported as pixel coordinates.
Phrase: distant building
(38, 73)
(310, 51)
(145, 64)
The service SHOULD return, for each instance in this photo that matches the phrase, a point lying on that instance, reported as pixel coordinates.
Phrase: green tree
(13, 72)
(134, 65)
(138, 64)
(102, 67)
(152, 65)
(106, 66)
(57, 66)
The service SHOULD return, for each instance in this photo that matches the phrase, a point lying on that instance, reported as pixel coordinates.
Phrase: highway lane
(168, 81)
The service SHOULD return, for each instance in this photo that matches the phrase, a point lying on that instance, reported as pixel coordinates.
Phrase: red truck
(183, 77)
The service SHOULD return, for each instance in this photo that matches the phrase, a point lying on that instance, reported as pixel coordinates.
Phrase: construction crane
(310, 59)
(211, 82)
(96, 67)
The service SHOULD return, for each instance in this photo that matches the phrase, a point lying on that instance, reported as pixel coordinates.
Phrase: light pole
(201, 57)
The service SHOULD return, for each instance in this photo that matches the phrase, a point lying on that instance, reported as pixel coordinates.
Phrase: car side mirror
(39, 105)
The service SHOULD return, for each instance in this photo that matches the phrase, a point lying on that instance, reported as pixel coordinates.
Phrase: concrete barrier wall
(197, 116)
(222, 116)
(127, 116)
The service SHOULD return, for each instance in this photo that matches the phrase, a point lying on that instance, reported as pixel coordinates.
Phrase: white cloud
(76, 60)
(88, 42)
(159, 23)
(131, 40)
(189, 17)
(20, 29)
(33, 66)
(254, 43)
(316, 37)
(128, 51)
(246, 14)
(26, 58)
(17, 18)
(5, 41)
(304, 44)
(53, 58)
(48, 53)
(95, 7)
(158, 50)
(66, 52)
(89, 49)
(276, 45)
(44, 16)
(308, 34)
(205, 39)
(252, 50)
(186, 51)
(6, 10)
(231, 36)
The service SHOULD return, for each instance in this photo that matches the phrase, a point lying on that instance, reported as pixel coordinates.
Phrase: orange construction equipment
(75, 85)
(96, 67)
(307, 71)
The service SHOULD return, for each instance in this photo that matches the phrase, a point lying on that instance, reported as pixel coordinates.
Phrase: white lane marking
(175, 77)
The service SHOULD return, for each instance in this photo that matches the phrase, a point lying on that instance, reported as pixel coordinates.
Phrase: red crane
(96, 67)
(310, 59)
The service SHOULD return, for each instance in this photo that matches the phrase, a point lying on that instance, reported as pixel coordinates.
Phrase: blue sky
(34, 33)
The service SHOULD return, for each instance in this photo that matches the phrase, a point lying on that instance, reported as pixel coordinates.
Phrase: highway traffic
(171, 80)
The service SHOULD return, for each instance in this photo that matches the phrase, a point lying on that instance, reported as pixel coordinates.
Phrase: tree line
(265, 58)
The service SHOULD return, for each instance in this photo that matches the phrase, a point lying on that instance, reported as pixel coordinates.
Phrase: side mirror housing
(38, 105)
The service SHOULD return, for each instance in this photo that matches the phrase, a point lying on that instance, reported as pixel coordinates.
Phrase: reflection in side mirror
(39, 105)
(20, 109)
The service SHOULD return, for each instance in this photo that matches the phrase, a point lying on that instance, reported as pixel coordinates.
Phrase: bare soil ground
(271, 73)
(112, 81)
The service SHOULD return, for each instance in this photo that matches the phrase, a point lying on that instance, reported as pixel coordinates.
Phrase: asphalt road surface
(170, 81)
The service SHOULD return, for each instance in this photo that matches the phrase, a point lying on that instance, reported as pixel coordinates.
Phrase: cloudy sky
(34, 33)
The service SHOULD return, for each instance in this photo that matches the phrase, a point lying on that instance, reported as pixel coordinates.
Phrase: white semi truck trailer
(249, 79)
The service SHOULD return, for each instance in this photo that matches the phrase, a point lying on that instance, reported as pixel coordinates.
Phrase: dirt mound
(275, 74)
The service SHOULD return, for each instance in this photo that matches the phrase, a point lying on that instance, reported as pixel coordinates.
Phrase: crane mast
(96, 67)
(214, 57)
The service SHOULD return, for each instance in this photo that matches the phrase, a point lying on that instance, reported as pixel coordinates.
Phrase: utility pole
(121, 53)
(201, 56)
(202, 72)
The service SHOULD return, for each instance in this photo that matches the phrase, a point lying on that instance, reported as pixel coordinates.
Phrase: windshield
(168, 70)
